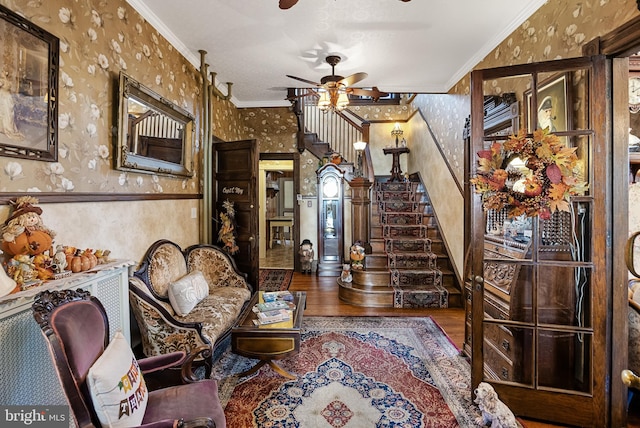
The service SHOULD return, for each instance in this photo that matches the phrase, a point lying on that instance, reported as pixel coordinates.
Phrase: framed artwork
(553, 102)
(28, 89)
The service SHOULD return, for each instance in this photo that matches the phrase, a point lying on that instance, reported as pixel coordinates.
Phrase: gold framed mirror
(155, 136)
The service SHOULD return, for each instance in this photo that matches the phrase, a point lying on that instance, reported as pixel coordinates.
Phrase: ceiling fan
(335, 84)
(286, 4)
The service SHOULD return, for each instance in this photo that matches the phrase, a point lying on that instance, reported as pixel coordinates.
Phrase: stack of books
(272, 317)
(272, 296)
(273, 311)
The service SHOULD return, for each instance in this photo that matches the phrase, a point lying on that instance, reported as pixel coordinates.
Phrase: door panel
(542, 333)
(236, 170)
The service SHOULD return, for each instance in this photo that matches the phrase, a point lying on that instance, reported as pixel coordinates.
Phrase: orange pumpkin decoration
(30, 243)
(23, 233)
(76, 262)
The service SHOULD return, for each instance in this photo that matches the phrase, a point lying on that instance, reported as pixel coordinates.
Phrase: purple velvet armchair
(77, 331)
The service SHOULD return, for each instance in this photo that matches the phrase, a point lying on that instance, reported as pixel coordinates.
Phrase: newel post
(360, 211)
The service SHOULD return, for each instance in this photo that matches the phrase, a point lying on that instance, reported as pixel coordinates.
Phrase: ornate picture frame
(29, 63)
(553, 103)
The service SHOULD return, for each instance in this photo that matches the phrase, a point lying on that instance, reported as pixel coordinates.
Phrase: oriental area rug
(275, 279)
(354, 372)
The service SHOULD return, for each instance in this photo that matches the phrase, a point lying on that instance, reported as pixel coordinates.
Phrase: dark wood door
(543, 289)
(235, 180)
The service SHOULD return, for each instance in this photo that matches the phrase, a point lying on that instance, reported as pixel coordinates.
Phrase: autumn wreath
(547, 185)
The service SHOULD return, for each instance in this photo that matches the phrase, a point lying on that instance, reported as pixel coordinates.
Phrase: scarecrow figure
(306, 255)
(24, 232)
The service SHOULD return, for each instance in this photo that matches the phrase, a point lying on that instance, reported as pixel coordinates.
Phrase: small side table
(396, 172)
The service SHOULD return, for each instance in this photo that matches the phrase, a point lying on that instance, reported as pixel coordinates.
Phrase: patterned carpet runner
(414, 273)
(354, 372)
(275, 279)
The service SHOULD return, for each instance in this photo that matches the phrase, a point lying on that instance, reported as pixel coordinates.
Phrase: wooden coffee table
(268, 342)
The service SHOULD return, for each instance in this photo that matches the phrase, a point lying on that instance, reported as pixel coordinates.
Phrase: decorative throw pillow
(117, 388)
(187, 292)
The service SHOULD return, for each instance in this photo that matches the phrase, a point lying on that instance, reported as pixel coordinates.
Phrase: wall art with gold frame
(29, 62)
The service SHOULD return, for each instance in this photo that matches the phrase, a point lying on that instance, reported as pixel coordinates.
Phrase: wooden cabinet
(503, 345)
(28, 377)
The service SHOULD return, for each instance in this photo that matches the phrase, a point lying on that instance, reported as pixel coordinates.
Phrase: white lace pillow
(187, 292)
(116, 385)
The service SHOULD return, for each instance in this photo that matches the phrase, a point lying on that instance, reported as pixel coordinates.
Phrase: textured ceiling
(416, 46)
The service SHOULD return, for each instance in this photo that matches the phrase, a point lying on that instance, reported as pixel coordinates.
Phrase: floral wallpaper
(385, 112)
(100, 39)
(97, 41)
(559, 29)
(446, 114)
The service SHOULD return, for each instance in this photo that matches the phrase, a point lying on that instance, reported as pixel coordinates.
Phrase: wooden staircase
(385, 271)
(408, 259)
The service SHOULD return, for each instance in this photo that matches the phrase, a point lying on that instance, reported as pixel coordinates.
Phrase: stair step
(404, 219)
(418, 277)
(408, 245)
(375, 260)
(394, 186)
(421, 297)
(397, 231)
(378, 277)
(377, 245)
(412, 260)
(398, 206)
(382, 196)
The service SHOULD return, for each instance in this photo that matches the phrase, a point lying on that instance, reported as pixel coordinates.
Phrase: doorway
(277, 214)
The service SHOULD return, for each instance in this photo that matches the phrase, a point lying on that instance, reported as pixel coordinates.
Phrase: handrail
(339, 130)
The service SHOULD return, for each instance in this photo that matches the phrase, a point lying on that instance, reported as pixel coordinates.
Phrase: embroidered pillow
(187, 292)
(116, 385)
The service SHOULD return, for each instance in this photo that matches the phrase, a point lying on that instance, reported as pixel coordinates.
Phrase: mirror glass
(154, 135)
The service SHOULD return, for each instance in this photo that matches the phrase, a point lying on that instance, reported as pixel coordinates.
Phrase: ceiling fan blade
(286, 4)
(308, 93)
(304, 80)
(353, 79)
(374, 93)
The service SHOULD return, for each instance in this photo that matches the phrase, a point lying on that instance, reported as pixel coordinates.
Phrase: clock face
(634, 90)
(330, 187)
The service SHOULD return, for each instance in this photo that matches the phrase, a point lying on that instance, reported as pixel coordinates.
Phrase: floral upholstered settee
(219, 295)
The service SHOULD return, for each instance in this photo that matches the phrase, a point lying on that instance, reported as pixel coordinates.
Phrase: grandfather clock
(330, 220)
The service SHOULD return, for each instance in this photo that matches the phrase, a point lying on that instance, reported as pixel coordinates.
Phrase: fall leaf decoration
(227, 232)
(548, 186)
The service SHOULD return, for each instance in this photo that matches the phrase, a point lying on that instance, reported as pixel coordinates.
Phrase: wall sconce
(359, 146)
(396, 132)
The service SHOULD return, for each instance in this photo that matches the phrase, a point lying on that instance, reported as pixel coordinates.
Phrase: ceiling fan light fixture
(343, 101)
(324, 103)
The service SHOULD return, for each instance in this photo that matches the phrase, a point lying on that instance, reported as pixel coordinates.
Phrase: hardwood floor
(322, 300)
(280, 256)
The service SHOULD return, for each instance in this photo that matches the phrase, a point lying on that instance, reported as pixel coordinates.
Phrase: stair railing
(339, 129)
